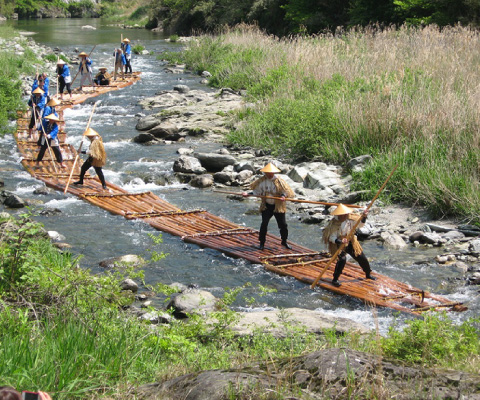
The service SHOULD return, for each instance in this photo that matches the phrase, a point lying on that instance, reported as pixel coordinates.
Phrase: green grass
(10, 85)
(64, 329)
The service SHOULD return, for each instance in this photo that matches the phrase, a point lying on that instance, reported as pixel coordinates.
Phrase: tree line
(284, 17)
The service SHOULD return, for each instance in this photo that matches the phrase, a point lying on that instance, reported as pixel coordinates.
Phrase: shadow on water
(97, 234)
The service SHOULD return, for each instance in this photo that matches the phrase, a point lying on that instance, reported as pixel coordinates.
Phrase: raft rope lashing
(234, 231)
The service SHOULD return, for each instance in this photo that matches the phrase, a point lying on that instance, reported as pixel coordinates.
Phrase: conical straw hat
(53, 102)
(270, 168)
(38, 90)
(126, 40)
(83, 54)
(60, 62)
(90, 132)
(52, 117)
(341, 210)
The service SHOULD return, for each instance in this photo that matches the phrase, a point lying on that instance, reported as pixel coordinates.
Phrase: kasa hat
(103, 68)
(83, 54)
(52, 117)
(126, 40)
(38, 90)
(341, 210)
(53, 102)
(90, 133)
(270, 168)
(60, 62)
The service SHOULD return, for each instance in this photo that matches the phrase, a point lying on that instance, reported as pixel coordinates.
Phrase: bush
(138, 48)
(436, 341)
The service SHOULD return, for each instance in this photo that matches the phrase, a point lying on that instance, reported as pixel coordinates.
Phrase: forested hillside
(283, 17)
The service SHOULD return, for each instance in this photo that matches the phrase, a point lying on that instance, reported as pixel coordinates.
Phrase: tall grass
(11, 66)
(406, 96)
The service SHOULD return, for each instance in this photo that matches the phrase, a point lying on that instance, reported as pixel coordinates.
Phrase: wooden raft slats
(207, 230)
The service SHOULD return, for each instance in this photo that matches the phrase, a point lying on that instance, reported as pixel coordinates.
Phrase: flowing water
(96, 234)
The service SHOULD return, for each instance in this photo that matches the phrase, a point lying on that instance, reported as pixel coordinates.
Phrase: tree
(313, 16)
(365, 12)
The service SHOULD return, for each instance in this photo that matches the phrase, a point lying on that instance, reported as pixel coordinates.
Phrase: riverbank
(388, 94)
(88, 348)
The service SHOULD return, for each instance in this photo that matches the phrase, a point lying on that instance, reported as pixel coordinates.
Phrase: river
(96, 234)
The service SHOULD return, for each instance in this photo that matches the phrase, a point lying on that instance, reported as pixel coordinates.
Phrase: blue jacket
(49, 110)
(45, 85)
(50, 129)
(65, 71)
(39, 102)
(127, 49)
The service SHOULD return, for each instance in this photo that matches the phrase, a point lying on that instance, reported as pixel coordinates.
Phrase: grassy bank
(11, 66)
(64, 330)
(406, 97)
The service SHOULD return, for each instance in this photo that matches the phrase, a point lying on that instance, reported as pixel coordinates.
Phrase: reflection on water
(97, 234)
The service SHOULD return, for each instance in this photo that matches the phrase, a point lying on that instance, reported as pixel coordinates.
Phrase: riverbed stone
(181, 88)
(146, 123)
(298, 174)
(144, 138)
(393, 240)
(224, 177)
(357, 163)
(474, 247)
(164, 130)
(189, 165)
(192, 301)
(129, 284)
(131, 259)
(202, 181)
(215, 162)
(280, 322)
(329, 373)
(11, 200)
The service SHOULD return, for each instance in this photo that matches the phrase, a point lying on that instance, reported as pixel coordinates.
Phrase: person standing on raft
(272, 185)
(37, 102)
(85, 69)
(64, 78)
(97, 157)
(336, 232)
(49, 132)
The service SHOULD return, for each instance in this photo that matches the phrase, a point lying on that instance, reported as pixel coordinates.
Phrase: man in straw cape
(97, 157)
(335, 234)
(271, 185)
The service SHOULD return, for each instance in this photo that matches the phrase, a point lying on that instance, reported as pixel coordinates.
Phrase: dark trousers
(281, 222)
(62, 86)
(128, 67)
(55, 149)
(342, 260)
(86, 166)
(35, 117)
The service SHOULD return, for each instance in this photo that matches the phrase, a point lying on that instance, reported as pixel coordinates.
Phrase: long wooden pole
(79, 150)
(352, 231)
(81, 65)
(288, 199)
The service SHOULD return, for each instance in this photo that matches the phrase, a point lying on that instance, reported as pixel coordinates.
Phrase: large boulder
(202, 181)
(146, 123)
(215, 162)
(189, 165)
(128, 259)
(192, 301)
(279, 322)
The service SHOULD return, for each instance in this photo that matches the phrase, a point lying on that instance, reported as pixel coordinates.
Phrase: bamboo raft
(207, 230)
